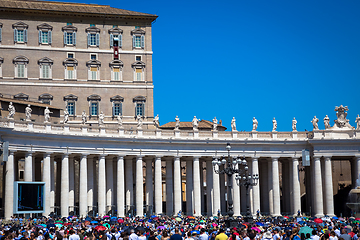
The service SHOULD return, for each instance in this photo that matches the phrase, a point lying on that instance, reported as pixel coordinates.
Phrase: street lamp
(238, 166)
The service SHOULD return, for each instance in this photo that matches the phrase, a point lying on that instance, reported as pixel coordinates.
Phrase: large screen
(29, 197)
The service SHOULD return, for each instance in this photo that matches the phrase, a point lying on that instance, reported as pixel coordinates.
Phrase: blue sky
(254, 58)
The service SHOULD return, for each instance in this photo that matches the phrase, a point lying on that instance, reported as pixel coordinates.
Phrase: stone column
(64, 186)
(216, 193)
(158, 186)
(189, 188)
(72, 183)
(169, 188)
(83, 186)
(139, 186)
(46, 178)
(236, 197)
(149, 184)
(90, 187)
(296, 186)
(28, 170)
(256, 188)
(329, 194)
(109, 184)
(209, 187)
(52, 183)
(177, 185)
(197, 185)
(129, 183)
(319, 208)
(276, 187)
(102, 186)
(270, 188)
(120, 198)
(357, 168)
(9, 186)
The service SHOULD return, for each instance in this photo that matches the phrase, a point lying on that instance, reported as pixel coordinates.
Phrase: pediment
(21, 96)
(96, 63)
(71, 97)
(45, 60)
(92, 29)
(46, 96)
(69, 28)
(117, 98)
(70, 62)
(139, 99)
(44, 26)
(20, 25)
(21, 59)
(138, 32)
(94, 97)
(1, 60)
(115, 30)
(116, 63)
(138, 64)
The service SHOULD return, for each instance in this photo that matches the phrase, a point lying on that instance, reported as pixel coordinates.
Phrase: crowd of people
(180, 228)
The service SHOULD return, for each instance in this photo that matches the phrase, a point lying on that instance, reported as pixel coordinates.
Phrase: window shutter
(40, 37)
(97, 39)
(74, 38)
(134, 41)
(142, 41)
(111, 40)
(25, 35)
(15, 35)
(113, 109)
(49, 36)
(0, 34)
(88, 38)
(65, 38)
(120, 40)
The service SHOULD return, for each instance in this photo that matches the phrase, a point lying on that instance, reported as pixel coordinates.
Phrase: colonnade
(102, 182)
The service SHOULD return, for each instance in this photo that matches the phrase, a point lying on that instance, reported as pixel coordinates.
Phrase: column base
(319, 215)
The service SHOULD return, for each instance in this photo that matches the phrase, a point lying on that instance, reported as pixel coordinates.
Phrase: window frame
(1, 25)
(116, 64)
(69, 30)
(20, 61)
(45, 28)
(70, 62)
(93, 36)
(1, 63)
(71, 99)
(91, 64)
(46, 97)
(139, 102)
(94, 99)
(20, 26)
(117, 100)
(45, 61)
(115, 31)
(139, 65)
(138, 34)
(21, 96)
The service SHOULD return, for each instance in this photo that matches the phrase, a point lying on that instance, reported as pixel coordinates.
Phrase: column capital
(140, 156)
(84, 154)
(197, 158)
(65, 154)
(29, 153)
(47, 154)
(120, 156)
(159, 156)
(275, 158)
(254, 158)
(12, 151)
(327, 158)
(177, 158)
(295, 158)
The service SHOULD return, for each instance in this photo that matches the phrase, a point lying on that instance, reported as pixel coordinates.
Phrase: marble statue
(357, 121)
(327, 122)
(83, 117)
(120, 120)
(315, 123)
(101, 118)
(233, 124)
(139, 122)
(255, 124)
(66, 116)
(341, 121)
(47, 114)
(215, 124)
(274, 124)
(177, 123)
(156, 121)
(11, 110)
(195, 123)
(294, 122)
(28, 111)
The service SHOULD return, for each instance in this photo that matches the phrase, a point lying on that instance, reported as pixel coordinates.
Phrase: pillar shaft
(46, 178)
(102, 186)
(109, 184)
(236, 196)
(256, 188)
(177, 185)
(120, 187)
(169, 188)
(139, 187)
(296, 186)
(276, 187)
(28, 170)
(9, 186)
(64, 201)
(216, 193)
(209, 188)
(129, 184)
(149, 184)
(72, 183)
(83, 186)
(90, 187)
(329, 194)
(189, 188)
(270, 188)
(319, 207)
(197, 189)
(158, 186)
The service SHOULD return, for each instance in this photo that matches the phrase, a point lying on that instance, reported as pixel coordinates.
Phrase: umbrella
(202, 221)
(356, 221)
(259, 224)
(106, 216)
(50, 225)
(94, 222)
(107, 225)
(153, 216)
(67, 224)
(100, 228)
(88, 219)
(59, 225)
(335, 218)
(306, 230)
(195, 231)
(140, 228)
(318, 220)
(161, 227)
(311, 224)
(120, 220)
(178, 219)
(301, 222)
(41, 226)
(256, 229)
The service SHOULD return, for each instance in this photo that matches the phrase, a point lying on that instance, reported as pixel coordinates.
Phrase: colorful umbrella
(195, 231)
(306, 230)
(178, 219)
(318, 220)
(100, 228)
(120, 220)
(256, 229)
(59, 225)
(161, 227)
(94, 222)
(107, 225)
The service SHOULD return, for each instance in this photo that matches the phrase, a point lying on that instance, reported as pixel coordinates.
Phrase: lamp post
(230, 166)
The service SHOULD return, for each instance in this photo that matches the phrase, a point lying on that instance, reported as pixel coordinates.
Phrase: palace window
(139, 102)
(139, 71)
(45, 35)
(116, 70)
(20, 32)
(1, 62)
(117, 105)
(46, 98)
(93, 69)
(70, 65)
(115, 37)
(70, 104)
(1, 31)
(21, 63)
(69, 35)
(94, 101)
(45, 68)
(93, 36)
(138, 38)
(21, 96)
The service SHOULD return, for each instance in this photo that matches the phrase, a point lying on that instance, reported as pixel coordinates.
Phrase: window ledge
(17, 78)
(70, 79)
(45, 79)
(116, 81)
(92, 80)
